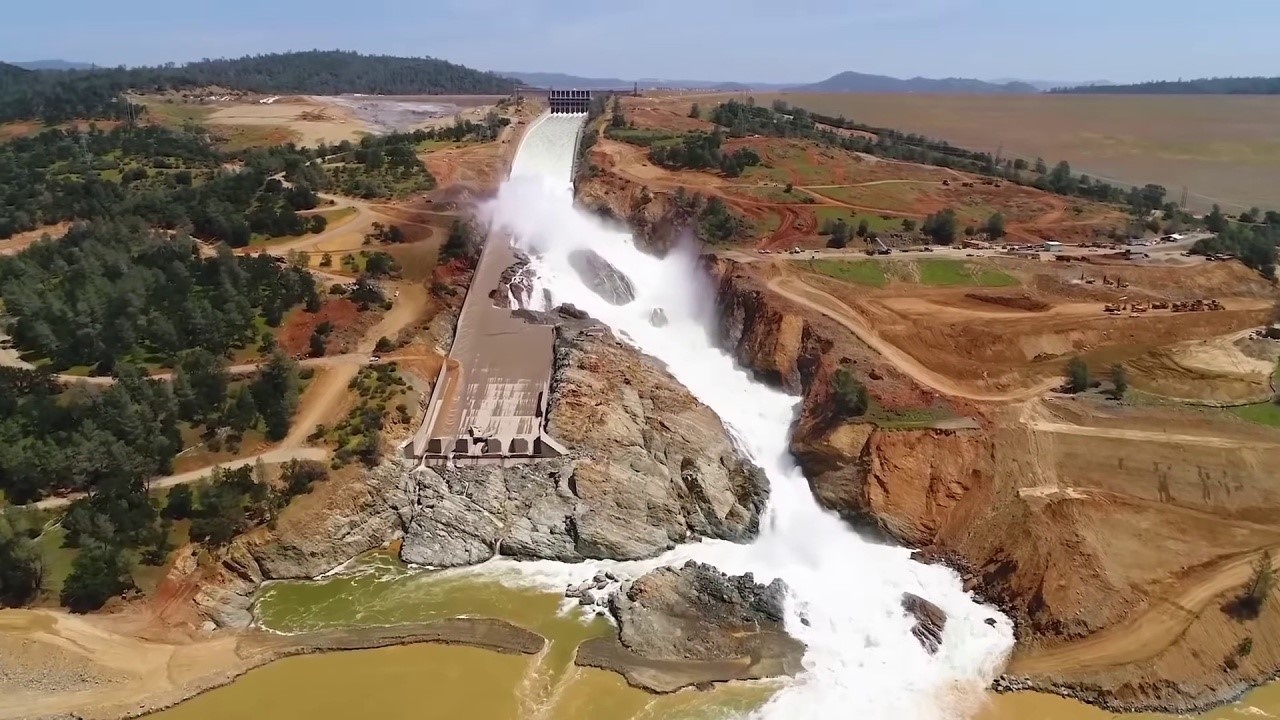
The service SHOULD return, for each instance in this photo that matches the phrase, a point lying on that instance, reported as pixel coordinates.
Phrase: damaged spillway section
(883, 636)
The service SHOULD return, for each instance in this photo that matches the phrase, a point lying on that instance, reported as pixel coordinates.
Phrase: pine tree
(98, 573)
(1078, 375)
(275, 393)
(1119, 381)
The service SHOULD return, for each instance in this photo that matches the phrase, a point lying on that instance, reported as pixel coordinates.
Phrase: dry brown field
(1221, 148)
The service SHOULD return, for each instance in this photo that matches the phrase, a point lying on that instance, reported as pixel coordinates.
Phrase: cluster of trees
(359, 435)
(233, 501)
(849, 396)
(113, 290)
(462, 130)
(57, 96)
(702, 151)
(783, 120)
(712, 220)
(378, 167)
(1079, 379)
(1203, 86)
(941, 227)
(463, 243)
(178, 181)
(82, 440)
(21, 566)
(1255, 245)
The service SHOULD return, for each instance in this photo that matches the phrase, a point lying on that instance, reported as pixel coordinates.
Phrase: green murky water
(438, 681)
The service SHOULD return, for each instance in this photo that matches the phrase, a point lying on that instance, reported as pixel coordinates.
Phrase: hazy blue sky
(760, 40)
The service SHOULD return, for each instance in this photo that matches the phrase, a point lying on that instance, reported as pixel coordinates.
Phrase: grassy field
(774, 194)
(890, 197)
(1266, 413)
(859, 272)
(950, 273)
(874, 222)
(1219, 147)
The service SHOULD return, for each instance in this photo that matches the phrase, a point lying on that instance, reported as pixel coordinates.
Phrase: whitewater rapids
(844, 599)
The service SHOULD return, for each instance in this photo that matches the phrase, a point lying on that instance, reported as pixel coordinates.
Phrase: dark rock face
(695, 626)
(604, 279)
(930, 621)
(568, 310)
(517, 282)
(698, 613)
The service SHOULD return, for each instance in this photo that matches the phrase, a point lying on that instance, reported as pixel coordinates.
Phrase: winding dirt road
(1146, 635)
(810, 297)
(271, 457)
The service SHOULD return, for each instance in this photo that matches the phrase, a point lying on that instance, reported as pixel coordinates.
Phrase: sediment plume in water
(845, 591)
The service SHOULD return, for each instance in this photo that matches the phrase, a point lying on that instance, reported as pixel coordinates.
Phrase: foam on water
(845, 591)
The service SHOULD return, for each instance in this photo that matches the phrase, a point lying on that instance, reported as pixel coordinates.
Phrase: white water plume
(844, 599)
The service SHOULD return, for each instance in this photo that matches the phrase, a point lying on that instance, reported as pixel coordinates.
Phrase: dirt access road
(319, 403)
(798, 291)
(1155, 629)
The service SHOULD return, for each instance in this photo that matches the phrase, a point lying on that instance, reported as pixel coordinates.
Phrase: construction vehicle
(1214, 305)
(1091, 281)
(1139, 307)
(1107, 281)
(1121, 284)
(1114, 308)
(884, 249)
(1160, 305)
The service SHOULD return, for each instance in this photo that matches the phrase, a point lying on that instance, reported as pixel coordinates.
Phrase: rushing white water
(845, 591)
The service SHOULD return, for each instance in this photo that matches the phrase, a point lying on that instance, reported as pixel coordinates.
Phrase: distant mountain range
(1046, 85)
(563, 80)
(845, 82)
(853, 82)
(53, 65)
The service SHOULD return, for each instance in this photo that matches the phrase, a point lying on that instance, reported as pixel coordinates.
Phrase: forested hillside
(110, 291)
(179, 181)
(1202, 86)
(58, 96)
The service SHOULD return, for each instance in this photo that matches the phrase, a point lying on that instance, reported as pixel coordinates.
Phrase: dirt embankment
(1114, 535)
(59, 665)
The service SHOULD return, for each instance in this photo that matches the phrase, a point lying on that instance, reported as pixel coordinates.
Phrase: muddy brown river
(420, 681)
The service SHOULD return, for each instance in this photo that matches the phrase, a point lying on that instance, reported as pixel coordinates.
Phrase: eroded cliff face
(953, 494)
(337, 521)
(649, 468)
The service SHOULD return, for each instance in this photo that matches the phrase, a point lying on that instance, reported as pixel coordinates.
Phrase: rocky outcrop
(604, 279)
(515, 285)
(930, 621)
(650, 467)
(695, 625)
(337, 521)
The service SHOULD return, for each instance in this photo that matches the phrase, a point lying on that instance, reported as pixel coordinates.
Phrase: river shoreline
(254, 649)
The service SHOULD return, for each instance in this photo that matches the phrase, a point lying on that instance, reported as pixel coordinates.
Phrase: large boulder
(930, 621)
(695, 625)
(604, 279)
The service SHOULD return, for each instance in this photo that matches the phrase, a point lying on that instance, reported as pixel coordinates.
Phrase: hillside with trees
(177, 180)
(112, 291)
(1202, 86)
(59, 95)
